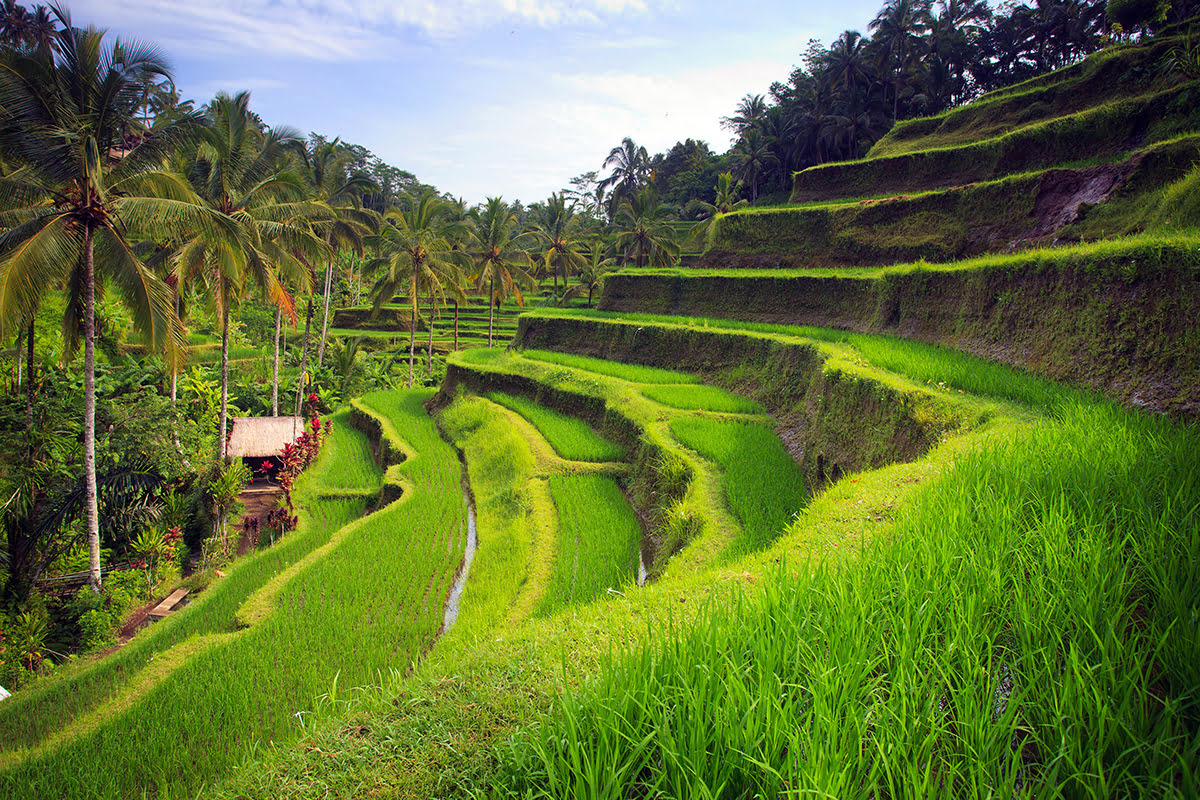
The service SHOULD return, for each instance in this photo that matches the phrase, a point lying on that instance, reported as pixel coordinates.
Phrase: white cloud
(336, 30)
(536, 145)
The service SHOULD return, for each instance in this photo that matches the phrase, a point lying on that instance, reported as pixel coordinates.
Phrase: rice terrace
(858, 458)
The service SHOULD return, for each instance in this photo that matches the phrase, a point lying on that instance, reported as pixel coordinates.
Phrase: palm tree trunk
(412, 332)
(221, 447)
(30, 376)
(275, 366)
(456, 323)
(429, 352)
(174, 368)
(325, 319)
(491, 308)
(89, 410)
(304, 357)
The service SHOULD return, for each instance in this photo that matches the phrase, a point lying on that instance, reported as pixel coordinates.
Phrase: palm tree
(591, 275)
(630, 166)
(751, 156)
(495, 247)
(898, 31)
(68, 117)
(707, 213)
(750, 112)
(559, 229)
(234, 169)
(416, 255)
(644, 233)
(330, 180)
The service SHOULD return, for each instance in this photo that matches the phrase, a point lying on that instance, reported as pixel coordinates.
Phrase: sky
(485, 97)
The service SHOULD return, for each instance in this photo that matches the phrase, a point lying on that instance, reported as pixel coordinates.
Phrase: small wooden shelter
(258, 441)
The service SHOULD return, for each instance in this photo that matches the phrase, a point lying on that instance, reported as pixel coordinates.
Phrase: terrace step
(947, 224)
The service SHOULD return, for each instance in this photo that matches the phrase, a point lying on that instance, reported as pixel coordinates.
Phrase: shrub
(96, 631)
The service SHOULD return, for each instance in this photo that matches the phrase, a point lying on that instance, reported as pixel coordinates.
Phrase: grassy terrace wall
(831, 419)
(1122, 317)
(1098, 133)
(951, 224)
(1097, 79)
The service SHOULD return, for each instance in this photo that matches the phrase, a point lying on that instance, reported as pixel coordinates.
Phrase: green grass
(633, 373)
(598, 540)
(571, 438)
(763, 485)
(1025, 632)
(370, 601)
(698, 397)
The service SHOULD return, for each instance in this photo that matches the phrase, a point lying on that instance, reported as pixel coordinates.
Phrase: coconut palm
(560, 231)
(644, 233)
(234, 168)
(752, 155)
(500, 260)
(417, 256)
(592, 273)
(750, 112)
(69, 109)
(330, 179)
(630, 165)
(726, 200)
(897, 35)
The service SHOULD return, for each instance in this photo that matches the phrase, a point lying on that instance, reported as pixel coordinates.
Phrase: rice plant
(699, 397)
(634, 373)
(763, 485)
(598, 540)
(571, 438)
(1028, 631)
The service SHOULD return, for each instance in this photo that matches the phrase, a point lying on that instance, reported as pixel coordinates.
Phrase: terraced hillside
(1019, 167)
(453, 328)
(777, 532)
(1052, 226)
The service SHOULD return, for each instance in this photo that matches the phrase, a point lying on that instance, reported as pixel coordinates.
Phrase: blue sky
(480, 98)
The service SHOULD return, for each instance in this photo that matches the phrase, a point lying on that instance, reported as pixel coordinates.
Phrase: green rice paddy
(1019, 635)
(763, 485)
(698, 397)
(597, 541)
(571, 438)
(633, 373)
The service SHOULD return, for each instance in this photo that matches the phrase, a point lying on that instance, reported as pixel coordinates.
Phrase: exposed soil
(1064, 191)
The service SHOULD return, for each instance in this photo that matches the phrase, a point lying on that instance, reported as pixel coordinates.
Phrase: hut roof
(259, 437)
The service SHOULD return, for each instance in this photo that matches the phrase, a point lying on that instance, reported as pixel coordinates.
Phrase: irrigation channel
(460, 581)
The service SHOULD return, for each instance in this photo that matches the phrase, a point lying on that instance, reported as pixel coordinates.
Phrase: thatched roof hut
(260, 437)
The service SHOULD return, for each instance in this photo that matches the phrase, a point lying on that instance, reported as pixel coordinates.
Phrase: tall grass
(634, 373)
(698, 397)
(1029, 631)
(369, 601)
(571, 438)
(598, 540)
(763, 485)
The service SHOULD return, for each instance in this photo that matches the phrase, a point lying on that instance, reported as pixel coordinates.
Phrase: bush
(96, 631)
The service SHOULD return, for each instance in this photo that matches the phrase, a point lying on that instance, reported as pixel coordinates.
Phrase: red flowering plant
(296, 457)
